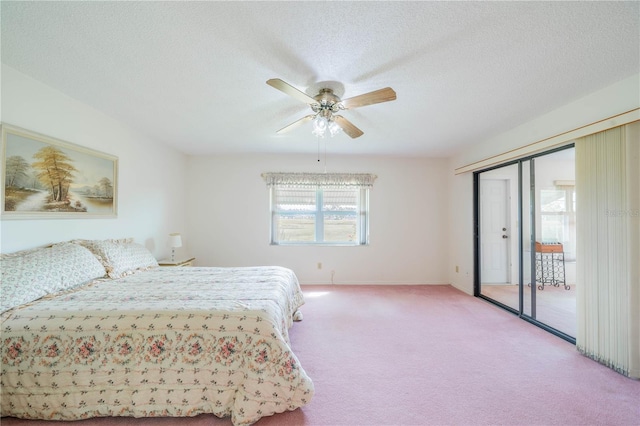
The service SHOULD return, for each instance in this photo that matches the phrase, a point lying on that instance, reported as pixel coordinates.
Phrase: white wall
(150, 177)
(421, 213)
(617, 98)
(229, 218)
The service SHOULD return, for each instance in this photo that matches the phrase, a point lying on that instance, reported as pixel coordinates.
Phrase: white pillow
(120, 257)
(29, 275)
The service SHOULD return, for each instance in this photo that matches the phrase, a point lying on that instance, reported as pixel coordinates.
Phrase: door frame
(477, 243)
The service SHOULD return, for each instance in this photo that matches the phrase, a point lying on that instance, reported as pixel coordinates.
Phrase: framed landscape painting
(46, 178)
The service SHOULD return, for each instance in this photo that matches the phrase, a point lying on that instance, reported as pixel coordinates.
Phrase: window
(553, 209)
(558, 216)
(323, 209)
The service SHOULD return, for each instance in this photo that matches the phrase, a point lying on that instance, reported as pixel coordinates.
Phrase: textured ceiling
(192, 74)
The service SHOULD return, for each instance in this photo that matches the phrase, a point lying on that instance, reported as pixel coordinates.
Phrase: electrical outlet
(319, 265)
(457, 269)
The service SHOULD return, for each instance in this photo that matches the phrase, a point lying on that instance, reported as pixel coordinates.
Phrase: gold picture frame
(46, 178)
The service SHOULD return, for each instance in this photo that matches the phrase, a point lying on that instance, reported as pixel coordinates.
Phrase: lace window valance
(336, 180)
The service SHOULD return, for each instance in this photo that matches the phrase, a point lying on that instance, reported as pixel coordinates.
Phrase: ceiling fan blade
(375, 97)
(347, 126)
(296, 123)
(291, 91)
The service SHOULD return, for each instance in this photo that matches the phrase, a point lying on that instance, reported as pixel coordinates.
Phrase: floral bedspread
(163, 342)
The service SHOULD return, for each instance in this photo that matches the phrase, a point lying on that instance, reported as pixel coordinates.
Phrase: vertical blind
(608, 239)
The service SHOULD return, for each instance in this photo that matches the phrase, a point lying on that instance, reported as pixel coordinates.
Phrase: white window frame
(361, 183)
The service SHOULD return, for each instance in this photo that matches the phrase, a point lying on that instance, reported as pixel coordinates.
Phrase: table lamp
(175, 241)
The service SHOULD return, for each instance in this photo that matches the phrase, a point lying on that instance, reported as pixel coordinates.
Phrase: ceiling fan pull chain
(325, 156)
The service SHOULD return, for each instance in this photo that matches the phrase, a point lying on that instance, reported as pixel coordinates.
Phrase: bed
(143, 341)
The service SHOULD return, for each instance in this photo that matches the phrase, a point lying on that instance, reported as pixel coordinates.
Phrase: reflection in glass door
(525, 248)
(498, 208)
(555, 240)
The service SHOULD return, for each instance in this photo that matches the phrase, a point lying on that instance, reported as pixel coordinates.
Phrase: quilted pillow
(120, 257)
(22, 252)
(32, 274)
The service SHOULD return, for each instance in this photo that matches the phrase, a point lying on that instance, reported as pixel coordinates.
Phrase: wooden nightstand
(179, 262)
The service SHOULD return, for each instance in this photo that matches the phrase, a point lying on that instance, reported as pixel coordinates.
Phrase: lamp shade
(175, 240)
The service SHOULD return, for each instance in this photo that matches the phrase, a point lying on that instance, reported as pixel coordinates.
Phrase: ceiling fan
(326, 103)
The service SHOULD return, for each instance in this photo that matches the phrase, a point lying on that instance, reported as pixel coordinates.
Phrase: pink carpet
(431, 355)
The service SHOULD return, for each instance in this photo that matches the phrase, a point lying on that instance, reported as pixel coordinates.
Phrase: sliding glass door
(525, 246)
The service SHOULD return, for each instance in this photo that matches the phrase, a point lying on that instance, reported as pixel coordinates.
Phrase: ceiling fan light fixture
(334, 129)
(324, 121)
(320, 125)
